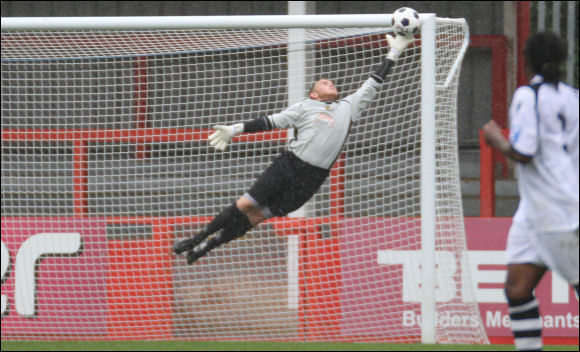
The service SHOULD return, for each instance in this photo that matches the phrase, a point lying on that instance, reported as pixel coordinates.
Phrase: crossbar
(195, 22)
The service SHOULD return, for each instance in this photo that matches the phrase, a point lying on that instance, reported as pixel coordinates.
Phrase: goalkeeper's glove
(224, 134)
(397, 45)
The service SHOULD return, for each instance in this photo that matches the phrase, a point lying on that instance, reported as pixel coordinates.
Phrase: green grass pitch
(247, 346)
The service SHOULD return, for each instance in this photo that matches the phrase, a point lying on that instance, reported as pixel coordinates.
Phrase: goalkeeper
(321, 124)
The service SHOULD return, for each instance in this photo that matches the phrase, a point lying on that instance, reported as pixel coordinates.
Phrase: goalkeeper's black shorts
(287, 184)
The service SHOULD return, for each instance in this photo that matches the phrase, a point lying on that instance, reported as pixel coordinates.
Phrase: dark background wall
(484, 17)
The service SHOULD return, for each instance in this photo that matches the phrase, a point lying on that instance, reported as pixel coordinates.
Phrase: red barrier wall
(135, 298)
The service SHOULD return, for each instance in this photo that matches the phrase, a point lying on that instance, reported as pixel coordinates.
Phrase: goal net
(105, 163)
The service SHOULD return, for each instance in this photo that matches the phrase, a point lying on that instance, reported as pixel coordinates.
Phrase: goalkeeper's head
(323, 90)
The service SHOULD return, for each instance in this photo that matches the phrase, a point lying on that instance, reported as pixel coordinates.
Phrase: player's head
(545, 52)
(323, 90)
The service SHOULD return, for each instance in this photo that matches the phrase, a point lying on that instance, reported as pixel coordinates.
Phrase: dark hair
(545, 53)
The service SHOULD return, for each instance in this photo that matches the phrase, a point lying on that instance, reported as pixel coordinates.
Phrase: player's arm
(362, 98)
(224, 134)
(396, 46)
(494, 137)
(284, 119)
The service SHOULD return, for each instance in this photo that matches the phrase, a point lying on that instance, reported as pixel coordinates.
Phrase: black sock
(236, 228)
(225, 217)
(526, 324)
(233, 227)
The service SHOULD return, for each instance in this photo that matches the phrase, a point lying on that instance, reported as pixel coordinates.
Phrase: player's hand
(492, 134)
(224, 134)
(397, 45)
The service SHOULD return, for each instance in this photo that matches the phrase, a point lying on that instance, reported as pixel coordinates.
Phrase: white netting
(105, 163)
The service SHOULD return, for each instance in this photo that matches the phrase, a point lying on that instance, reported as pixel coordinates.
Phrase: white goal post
(104, 122)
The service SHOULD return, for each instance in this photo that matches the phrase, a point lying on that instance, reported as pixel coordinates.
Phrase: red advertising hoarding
(486, 239)
(367, 257)
(100, 275)
(41, 254)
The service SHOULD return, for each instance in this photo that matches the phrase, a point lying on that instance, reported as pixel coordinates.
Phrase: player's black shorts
(287, 184)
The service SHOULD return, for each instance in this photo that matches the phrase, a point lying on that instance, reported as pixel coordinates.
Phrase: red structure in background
(498, 46)
(141, 87)
(488, 156)
(133, 287)
(487, 177)
(80, 176)
(523, 31)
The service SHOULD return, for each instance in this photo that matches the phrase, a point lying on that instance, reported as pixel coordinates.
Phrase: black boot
(201, 250)
(237, 228)
(189, 243)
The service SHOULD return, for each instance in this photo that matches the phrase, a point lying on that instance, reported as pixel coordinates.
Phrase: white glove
(224, 134)
(397, 45)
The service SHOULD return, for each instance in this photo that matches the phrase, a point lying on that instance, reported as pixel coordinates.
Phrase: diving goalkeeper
(322, 124)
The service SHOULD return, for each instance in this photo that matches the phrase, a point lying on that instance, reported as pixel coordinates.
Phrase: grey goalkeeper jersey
(321, 128)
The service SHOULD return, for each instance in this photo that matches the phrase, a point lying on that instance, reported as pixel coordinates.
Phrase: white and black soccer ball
(406, 21)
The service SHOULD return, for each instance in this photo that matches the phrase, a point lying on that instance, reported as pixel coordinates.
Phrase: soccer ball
(406, 21)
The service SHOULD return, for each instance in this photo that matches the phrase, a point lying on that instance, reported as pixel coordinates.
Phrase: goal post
(104, 128)
(428, 212)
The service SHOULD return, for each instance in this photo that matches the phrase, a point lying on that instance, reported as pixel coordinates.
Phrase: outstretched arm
(397, 45)
(224, 134)
(362, 98)
(284, 119)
